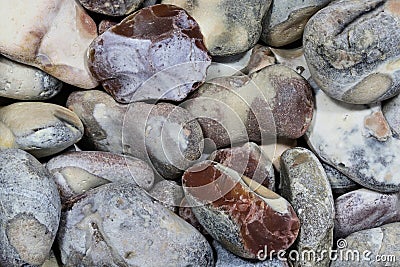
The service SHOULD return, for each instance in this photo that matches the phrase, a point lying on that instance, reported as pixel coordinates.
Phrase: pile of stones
(199, 133)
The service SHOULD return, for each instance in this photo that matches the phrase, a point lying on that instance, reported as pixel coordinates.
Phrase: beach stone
(339, 182)
(23, 82)
(241, 214)
(168, 193)
(29, 211)
(273, 101)
(229, 27)
(156, 53)
(305, 185)
(376, 247)
(52, 35)
(102, 118)
(120, 225)
(350, 48)
(227, 259)
(357, 141)
(390, 109)
(7, 138)
(42, 129)
(285, 20)
(105, 24)
(77, 172)
(364, 209)
(112, 7)
(247, 160)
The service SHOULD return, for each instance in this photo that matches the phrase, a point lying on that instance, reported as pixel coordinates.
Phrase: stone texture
(238, 212)
(229, 27)
(112, 7)
(156, 53)
(273, 101)
(7, 138)
(390, 109)
(350, 48)
(78, 172)
(105, 24)
(52, 35)
(380, 246)
(343, 136)
(23, 82)
(42, 129)
(247, 160)
(305, 185)
(186, 213)
(51, 261)
(364, 209)
(120, 225)
(294, 59)
(339, 182)
(168, 193)
(275, 150)
(285, 20)
(29, 211)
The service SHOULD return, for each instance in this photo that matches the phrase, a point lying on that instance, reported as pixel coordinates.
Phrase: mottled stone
(364, 209)
(285, 20)
(376, 247)
(339, 182)
(351, 50)
(78, 172)
(294, 59)
(7, 138)
(112, 7)
(156, 53)
(275, 150)
(342, 137)
(29, 211)
(390, 109)
(52, 35)
(23, 82)
(168, 193)
(186, 213)
(247, 160)
(229, 27)
(120, 225)
(305, 185)
(42, 129)
(274, 100)
(238, 212)
(105, 24)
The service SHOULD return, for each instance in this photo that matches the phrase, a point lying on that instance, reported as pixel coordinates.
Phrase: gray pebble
(168, 193)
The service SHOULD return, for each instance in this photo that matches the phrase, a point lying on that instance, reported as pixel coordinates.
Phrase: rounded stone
(112, 7)
(29, 211)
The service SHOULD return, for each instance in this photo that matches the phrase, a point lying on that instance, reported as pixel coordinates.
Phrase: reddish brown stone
(160, 39)
(244, 220)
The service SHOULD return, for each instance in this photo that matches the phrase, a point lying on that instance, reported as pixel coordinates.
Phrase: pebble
(229, 27)
(390, 109)
(241, 214)
(364, 209)
(23, 82)
(247, 160)
(112, 7)
(340, 183)
(241, 108)
(42, 129)
(120, 225)
(78, 172)
(350, 48)
(52, 35)
(285, 20)
(357, 141)
(168, 193)
(156, 53)
(305, 185)
(227, 259)
(29, 211)
(376, 247)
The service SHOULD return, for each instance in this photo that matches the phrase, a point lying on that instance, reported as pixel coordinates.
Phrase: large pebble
(357, 141)
(23, 82)
(374, 247)
(229, 27)
(248, 160)
(42, 129)
(238, 212)
(29, 211)
(112, 7)
(305, 185)
(285, 20)
(241, 108)
(364, 209)
(52, 35)
(155, 53)
(77, 172)
(120, 225)
(351, 50)
(340, 183)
